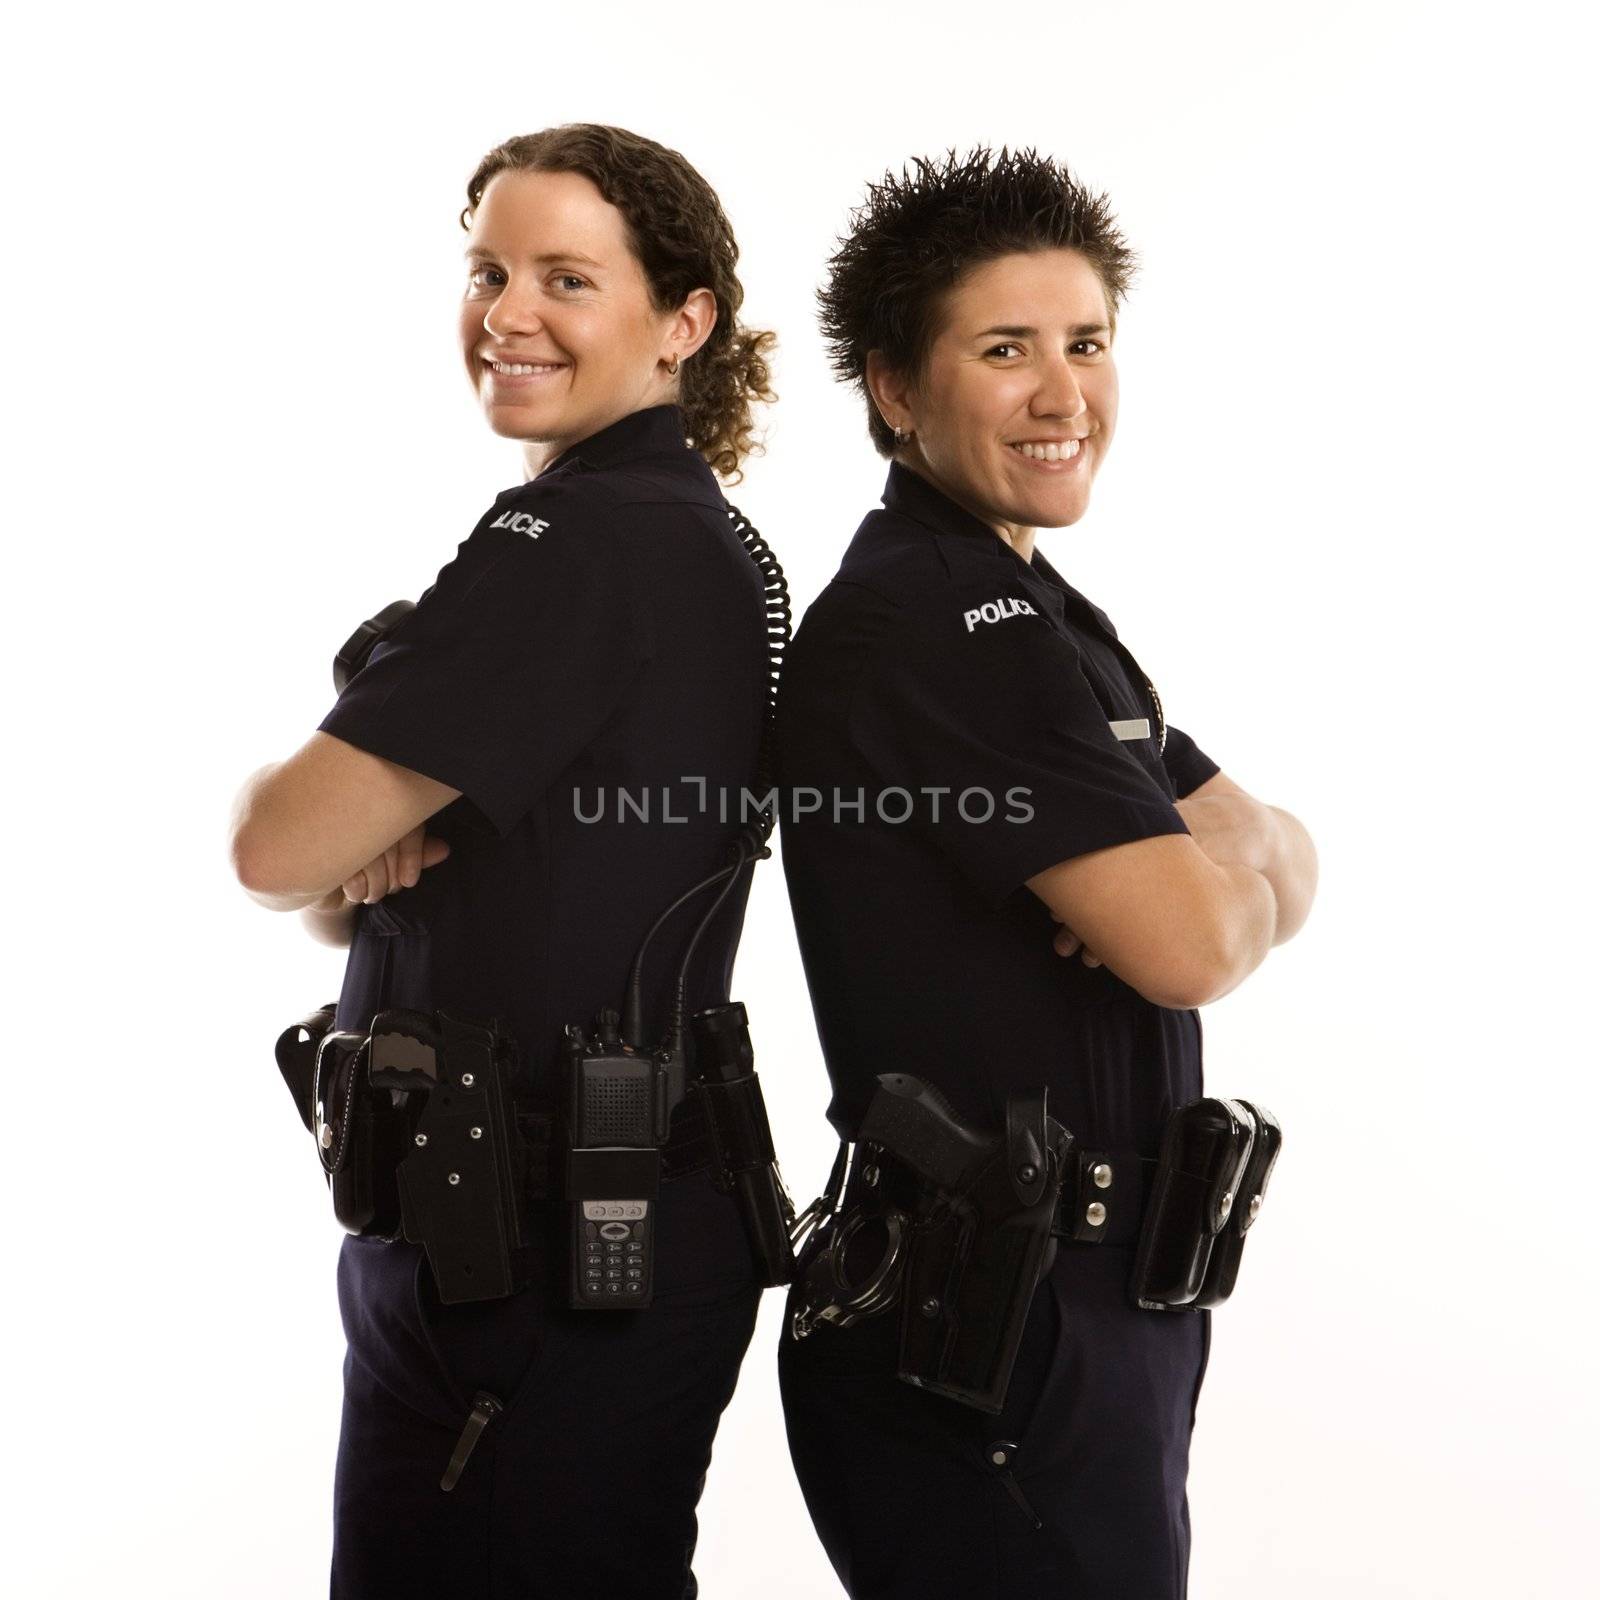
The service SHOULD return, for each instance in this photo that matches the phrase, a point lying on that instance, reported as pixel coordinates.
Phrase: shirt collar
(965, 536)
(1068, 596)
(911, 495)
(657, 430)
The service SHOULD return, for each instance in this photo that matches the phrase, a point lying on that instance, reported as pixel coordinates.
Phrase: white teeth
(1049, 450)
(520, 369)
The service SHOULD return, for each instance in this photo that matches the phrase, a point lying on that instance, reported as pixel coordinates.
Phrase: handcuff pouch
(360, 1136)
(296, 1052)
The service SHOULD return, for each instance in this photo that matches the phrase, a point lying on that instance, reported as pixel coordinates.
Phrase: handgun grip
(913, 1121)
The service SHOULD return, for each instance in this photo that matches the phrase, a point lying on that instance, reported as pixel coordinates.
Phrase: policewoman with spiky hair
(1033, 880)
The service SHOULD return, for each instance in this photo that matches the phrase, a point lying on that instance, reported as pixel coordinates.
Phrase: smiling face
(558, 331)
(1017, 404)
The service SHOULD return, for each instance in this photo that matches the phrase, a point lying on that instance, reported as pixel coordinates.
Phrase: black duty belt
(1102, 1196)
(1102, 1199)
(325, 1110)
(956, 1225)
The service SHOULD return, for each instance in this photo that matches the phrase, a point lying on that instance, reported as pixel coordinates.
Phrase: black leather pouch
(362, 1133)
(1222, 1270)
(296, 1052)
(1206, 1151)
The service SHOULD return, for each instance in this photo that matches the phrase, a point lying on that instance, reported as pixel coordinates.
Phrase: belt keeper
(1095, 1196)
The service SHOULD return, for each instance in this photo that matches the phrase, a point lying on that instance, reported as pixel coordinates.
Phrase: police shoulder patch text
(997, 611)
(521, 522)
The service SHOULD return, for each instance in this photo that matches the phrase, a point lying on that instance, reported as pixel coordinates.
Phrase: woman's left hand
(399, 867)
(1066, 942)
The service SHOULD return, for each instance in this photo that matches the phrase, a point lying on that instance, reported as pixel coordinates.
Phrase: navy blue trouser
(586, 1484)
(903, 1486)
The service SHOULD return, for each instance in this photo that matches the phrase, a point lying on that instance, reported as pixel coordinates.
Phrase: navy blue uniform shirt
(590, 670)
(952, 720)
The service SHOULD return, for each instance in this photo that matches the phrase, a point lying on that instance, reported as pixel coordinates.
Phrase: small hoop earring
(672, 371)
(902, 436)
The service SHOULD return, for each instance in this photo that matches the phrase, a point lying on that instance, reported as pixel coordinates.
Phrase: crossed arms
(1182, 918)
(1186, 918)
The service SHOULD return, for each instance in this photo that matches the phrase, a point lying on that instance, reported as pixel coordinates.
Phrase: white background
(1346, 527)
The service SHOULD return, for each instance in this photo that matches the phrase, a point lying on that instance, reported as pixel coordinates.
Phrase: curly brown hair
(682, 239)
(916, 235)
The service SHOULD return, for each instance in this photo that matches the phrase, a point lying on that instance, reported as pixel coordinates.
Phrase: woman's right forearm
(335, 927)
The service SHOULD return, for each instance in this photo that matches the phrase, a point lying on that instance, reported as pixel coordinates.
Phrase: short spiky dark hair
(917, 235)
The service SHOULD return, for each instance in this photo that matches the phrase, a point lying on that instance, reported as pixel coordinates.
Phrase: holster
(461, 1184)
(976, 1259)
(980, 1235)
(417, 1134)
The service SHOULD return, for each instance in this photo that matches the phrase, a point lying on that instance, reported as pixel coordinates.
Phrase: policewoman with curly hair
(498, 806)
(1008, 872)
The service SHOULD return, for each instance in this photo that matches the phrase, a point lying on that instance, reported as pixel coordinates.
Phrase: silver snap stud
(998, 1457)
(1226, 1206)
(1095, 1215)
(467, 1080)
(1027, 1172)
(1255, 1206)
(325, 1138)
(930, 1307)
(420, 1140)
(1101, 1173)
(455, 1177)
(477, 1133)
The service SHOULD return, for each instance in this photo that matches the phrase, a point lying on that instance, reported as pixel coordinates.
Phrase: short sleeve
(992, 706)
(513, 660)
(1187, 764)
